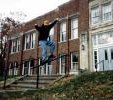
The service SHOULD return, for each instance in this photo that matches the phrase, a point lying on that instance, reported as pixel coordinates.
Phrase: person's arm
(37, 27)
(53, 23)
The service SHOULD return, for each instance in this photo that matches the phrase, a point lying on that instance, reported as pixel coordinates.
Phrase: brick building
(70, 35)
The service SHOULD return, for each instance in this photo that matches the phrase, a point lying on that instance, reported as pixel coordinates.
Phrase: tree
(7, 25)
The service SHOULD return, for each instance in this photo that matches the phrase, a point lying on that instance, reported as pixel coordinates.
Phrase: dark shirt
(44, 30)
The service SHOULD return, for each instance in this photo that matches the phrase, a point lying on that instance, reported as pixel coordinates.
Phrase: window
(102, 13)
(111, 54)
(26, 67)
(74, 61)
(95, 59)
(62, 64)
(15, 64)
(15, 68)
(11, 71)
(18, 44)
(51, 36)
(32, 40)
(94, 15)
(74, 28)
(29, 41)
(15, 47)
(63, 32)
(32, 63)
(106, 12)
(106, 55)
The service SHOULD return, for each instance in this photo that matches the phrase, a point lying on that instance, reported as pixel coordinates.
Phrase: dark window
(111, 54)
(95, 58)
(32, 63)
(106, 55)
(16, 64)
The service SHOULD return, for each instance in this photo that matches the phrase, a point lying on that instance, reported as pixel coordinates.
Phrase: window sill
(28, 49)
(62, 41)
(73, 39)
(14, 52)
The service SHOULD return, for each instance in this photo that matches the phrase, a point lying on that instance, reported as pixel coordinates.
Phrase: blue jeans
(44, 44)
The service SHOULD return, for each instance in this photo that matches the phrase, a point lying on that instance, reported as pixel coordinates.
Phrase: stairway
(29, 82)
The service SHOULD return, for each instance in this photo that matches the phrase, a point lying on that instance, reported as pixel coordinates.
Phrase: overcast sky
(31, 8)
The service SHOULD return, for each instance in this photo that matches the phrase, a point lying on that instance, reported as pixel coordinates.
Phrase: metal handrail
(102, 61)
(36, 66)
(50, 61)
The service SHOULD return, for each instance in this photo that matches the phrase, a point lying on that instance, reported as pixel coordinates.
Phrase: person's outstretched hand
(57, 19)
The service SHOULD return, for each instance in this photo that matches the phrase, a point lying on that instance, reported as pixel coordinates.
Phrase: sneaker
(52, 56)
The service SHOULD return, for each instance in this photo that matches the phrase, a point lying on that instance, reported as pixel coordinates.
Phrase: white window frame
(15, 47)
(62, 72)
(95, 58)
(73, 68)
(32, 42)
(27, 39)
(95, 15)
(107, 12)
(51, 35)
(18, 44)
(15, 68)
(26, 67)
(63, 32)
(74, 28)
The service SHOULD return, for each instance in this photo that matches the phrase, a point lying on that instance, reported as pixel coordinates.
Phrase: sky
(26, 10)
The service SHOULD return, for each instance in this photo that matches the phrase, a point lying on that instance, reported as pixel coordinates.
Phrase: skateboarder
(43, 36)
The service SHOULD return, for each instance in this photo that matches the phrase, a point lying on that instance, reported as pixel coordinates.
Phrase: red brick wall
(77, 7)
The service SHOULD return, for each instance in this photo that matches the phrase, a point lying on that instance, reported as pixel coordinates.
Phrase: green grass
(92, 86)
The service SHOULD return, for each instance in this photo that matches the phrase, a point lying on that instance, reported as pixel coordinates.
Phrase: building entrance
(105, 58)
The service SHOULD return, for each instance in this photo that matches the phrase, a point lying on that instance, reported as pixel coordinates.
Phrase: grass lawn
(90, 86)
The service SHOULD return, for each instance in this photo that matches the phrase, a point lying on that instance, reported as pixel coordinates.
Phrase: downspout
(21, 56)
(68, 46)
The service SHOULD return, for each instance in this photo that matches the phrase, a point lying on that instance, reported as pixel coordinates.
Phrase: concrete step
(23, 85)
(30, 82)
(33, 81)
(43, 77)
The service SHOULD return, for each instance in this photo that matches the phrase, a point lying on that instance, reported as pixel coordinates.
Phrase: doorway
(105, 55)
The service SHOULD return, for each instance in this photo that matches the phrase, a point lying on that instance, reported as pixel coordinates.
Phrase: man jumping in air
(43, 36)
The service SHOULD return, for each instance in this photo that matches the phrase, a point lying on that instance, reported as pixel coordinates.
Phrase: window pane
(111, 54)
(52, 34)
(106, 55)
(62, 63)
(63, 31)
(95, 15)
(107, 12)
(74, 61)
(74, 28)
(32, 41)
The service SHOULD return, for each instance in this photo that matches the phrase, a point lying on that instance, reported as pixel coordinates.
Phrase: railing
(8, 71)
(96, 65)
(38, 67)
